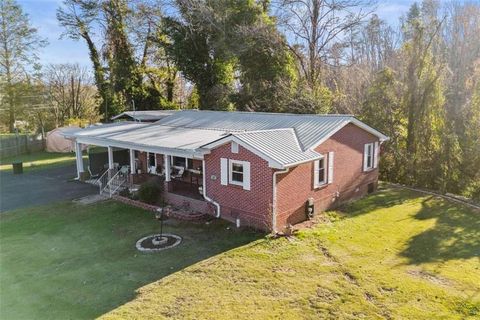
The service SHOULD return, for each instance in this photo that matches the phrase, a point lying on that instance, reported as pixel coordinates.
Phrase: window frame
(231, 171)
(370, 154)
(320, 183)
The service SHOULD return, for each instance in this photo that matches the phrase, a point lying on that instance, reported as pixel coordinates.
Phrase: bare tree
(317, 28)
(71, 91)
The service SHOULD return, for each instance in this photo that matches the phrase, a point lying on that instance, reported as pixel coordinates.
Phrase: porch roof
(149, 137)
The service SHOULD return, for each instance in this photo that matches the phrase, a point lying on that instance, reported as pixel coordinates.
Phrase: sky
(42, 15)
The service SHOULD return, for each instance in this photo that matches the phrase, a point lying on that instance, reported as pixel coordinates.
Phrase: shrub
(151, 191)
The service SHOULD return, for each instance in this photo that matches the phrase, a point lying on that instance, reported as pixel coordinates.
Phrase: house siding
(252, 207)
(349, 180)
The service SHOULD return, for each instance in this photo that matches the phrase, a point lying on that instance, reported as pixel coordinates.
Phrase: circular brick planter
(150, 244)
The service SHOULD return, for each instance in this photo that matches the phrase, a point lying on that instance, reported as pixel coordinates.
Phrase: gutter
(274, 200)
(205, 191)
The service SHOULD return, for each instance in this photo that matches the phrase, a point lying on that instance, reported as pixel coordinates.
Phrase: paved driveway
(39, 186)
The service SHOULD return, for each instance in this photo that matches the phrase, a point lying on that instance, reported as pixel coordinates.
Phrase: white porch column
(78, 154)
(167, 167)
(133, 170)
(110, 158)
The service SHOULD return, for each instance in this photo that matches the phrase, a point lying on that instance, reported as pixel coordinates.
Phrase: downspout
(274, 200)
(205, 191)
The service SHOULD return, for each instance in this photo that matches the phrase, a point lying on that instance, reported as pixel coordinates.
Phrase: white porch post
(167, 167)
(78, 154)
(133, 170)
(110, 158)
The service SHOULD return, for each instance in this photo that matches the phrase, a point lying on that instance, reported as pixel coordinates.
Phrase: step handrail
(117, 186)
(105, 178)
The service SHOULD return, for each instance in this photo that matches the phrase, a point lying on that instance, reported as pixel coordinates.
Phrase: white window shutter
(316, 166)
(365, 155)
(330, 167)
(376, 153)
(224, 171)
(246, 175)
(234, 147)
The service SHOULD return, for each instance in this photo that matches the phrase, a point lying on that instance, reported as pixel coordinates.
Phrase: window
(151, 159)
(236, 172)
(368, 156)
(321, 175)
(179, 162)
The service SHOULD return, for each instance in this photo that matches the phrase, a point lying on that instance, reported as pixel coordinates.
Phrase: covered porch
(150, 150)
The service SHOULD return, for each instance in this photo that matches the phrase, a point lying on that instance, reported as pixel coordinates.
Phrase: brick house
(260, 169)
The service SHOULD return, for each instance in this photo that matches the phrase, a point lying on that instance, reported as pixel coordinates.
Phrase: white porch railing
(102, 182)
(119, 179)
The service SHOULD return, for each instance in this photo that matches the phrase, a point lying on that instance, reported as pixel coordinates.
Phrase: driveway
(42, 186)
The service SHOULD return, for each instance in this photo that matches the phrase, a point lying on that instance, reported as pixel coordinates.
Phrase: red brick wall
(142, 161)
(349, 180)
(251, 206)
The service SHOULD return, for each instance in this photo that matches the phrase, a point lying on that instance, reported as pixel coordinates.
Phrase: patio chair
(92, 176)
(178, 172)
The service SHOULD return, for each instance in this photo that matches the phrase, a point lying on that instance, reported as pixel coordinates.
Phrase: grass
(394, 255)
(67, 261)
(39, 160)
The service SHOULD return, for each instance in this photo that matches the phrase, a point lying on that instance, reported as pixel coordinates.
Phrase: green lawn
(393, 255)
(69, 261)
(39, 160)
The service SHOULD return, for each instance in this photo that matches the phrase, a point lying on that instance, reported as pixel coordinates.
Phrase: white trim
(316, 171)
(376, 154)
(195, 154)
(234, 147)
(330, 167)
(110, 157)
(366, 155)
(133, 169)
(223, 171)
(79, 159)
(246, 175)
(231, 162)
(168, 168)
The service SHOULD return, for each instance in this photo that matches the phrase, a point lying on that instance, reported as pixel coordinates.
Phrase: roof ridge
(265, 130)
(274, 113)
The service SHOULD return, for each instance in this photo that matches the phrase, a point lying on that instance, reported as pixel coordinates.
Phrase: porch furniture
(195, 175)
(177, 172)
(92, 176)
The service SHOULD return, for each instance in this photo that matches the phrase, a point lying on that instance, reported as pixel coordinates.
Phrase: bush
(151, 191)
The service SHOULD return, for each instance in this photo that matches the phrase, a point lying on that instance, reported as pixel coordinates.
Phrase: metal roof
(282, 139)
(310, 129)
(145, 115)
(149, 137)
(280, 145)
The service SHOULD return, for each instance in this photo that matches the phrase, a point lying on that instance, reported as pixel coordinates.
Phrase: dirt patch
(350, 278)
(326, 294)
(436, 279)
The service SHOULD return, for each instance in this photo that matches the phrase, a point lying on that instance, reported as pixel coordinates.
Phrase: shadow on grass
(385, 197)
(456, 234)
(85, 262)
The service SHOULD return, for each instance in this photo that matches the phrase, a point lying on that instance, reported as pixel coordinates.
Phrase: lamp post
(160, 239)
